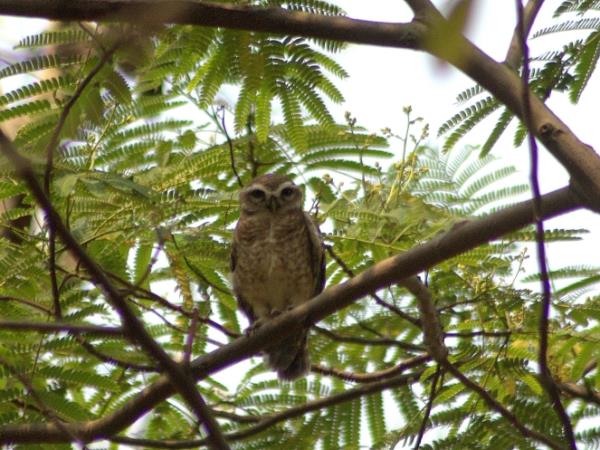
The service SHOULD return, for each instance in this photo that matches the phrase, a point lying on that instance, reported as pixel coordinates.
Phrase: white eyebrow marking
(287, 184)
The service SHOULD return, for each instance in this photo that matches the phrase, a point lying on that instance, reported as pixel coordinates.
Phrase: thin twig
(6, 298)
(545, 374)
(348, 271)
(153, 259)
(581, 392)
(52, 144)
(189, 342)
(514, 52)
(365, 341)
(478, 333)
(112, 360)
(368, 377)
(231, 150)
(432, 395)
(141, 292)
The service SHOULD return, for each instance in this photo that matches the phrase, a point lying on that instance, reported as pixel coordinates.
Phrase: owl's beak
(273, 203)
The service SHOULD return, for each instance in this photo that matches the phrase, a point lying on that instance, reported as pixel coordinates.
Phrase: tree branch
(434, 338)
(460, 238)
(581, 392)
(514, 53)
(428, 407)
(546, 376)
(274, 20)
(348, 271)
(50, 149)
(371, 376)
(268, 421)
(55, 327)
(366, 341)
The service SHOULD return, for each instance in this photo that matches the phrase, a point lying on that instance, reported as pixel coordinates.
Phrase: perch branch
(460, 238)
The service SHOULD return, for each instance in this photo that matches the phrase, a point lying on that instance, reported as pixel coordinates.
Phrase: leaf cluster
(146, 174)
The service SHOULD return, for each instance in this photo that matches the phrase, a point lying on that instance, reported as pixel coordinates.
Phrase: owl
(277, 262)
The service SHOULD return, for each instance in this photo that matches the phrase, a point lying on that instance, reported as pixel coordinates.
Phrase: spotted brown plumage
(277, 262)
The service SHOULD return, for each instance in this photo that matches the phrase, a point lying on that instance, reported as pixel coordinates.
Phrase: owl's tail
(289, 358)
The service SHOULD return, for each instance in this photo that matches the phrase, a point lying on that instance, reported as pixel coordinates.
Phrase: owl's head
(270, 193)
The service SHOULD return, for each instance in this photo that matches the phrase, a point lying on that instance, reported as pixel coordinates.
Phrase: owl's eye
(287, 192)
(257, 194)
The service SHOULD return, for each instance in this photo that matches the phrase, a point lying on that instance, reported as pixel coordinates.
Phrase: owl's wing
(243, 304)
(317, 254)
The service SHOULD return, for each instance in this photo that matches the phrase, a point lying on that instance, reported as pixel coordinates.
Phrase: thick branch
(462, 237)
(275, 20)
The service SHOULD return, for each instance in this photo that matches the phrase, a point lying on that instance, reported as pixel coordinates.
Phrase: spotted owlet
(277, 262)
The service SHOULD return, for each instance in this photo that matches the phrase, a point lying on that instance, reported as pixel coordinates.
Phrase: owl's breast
(273, 266)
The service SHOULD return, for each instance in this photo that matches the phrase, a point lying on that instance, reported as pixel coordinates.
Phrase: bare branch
(432, 329)
(112, 360)
(231, 150)
(348, 271)
(31, 304)
(55, 327)
(240, 17)
(478, 333)
(581, 392)
(432, 394)
(372, 376)
(514, 53)
(545, 374)
(189, 342)
(365, 341)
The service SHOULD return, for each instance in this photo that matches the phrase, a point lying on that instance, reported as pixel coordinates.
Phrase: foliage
(150, 160)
